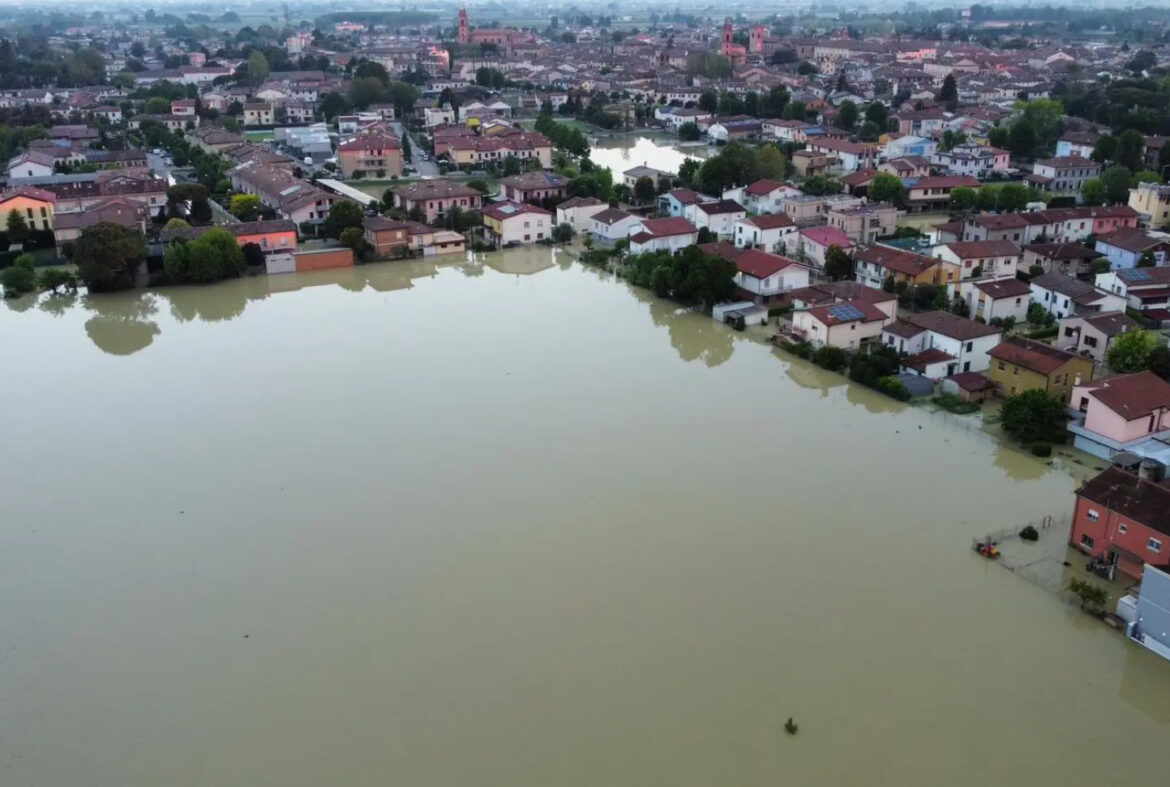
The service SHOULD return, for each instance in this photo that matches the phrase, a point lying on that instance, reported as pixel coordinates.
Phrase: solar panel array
(845, 312)
(1135, 275)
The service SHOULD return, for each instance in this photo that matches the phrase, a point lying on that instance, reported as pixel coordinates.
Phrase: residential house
(872, 265)
(851, 156)
(1052, 225)
(767, 232)
(36, 206)
(631, 176)
(438, 116)
(996, 299)
(967, 343)
(1064, 175)
(535, 187)
(1123, 520)
(1065, 259)
(1020, 364)
(849, 325)
(1143, 289)
(828, 292)
(507, 223)
(719, 216)
(906, 167)
(69, 226)
(259, 113)
(433, 199)
(934, 192)
(31, 164)
(672, 233)
(577, 211)
(372, 152)
(389, 237)
(728, 130)
(760, 277)
(1130, 412)
(762, 196)
(611, 225)
(1076, 143)
(865, 223)
(1128, 247)
(903, 146)
(1151, 622)
(997, 259)
(810, 245)
(1152, 202)
(973, 161)
(1091, 335)
(1062, 296)
(676, 201)
(472, 151)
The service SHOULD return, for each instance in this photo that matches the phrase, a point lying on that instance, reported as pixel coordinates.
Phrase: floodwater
(508, 521)
(659, 152)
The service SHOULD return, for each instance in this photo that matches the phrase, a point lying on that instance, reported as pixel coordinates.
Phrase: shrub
(1030, 533)
(832, 358)
(955, 404)
(893, 387)
(1041, 448)
(17, 280)
(801, 350)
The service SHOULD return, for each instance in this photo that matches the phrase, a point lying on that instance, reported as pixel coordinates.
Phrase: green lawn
(262, 135)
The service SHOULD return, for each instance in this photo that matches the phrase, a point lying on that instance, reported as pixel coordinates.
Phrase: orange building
(33, 204)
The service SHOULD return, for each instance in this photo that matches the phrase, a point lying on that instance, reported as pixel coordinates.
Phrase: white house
(673, 234)
(611, 225)
(1125, 247)
(516, 222)
(995, 259)
(990, 299)
(765, 277)
(1062, 296)
(1142, 288)
(939, 344)
(767, 232)
(763, 196)
(809, 245)
(577, 211)
(438, 116)
(719, 216)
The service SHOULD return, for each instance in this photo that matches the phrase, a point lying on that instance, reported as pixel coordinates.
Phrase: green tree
(245, 207)
(1147, 260)
(963, 199)
(18, 278)
(949, 95)
(1089, 594)
(353, 238)
(770, 162)
(342, 215)
(847, 115)
(176, 224)
(689, 132)
(107, 256)
(1104, 148)
(688, 172)
(877, 114)
(257, 67)
(1130, 352)
(708, 101)
(17, 227)
(1131, 147)
(645, 189)
(213, 256)
(734, 165)
(999, 137)
(887, 188)
(365, 91)
(1094, 192)
(56, 280)
(838, 264)
(1116, 180)
(1022, 138)
(1033, 415)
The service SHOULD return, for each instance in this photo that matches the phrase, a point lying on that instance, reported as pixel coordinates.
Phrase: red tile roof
(1134, 396)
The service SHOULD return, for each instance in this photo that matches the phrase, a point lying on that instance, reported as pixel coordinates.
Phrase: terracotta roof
(1130, 239)
(762, 187)
(30, 192)
(1004, 288)
(1134, 396)
(895, 259)
(1065, 285)
(830, 315)
(671, 225)
(1136, 499)
(971, 381)
(771, 221)
(952, 325)
(1111, 323)
(761, 264)
(904, 329)
(721, 206)
(971, 249)
(508, 210)
(1062, 251)
(828, 236)
(928, 356)
(611, 216)
(686, 196)
(1036, 356)
(435, 189)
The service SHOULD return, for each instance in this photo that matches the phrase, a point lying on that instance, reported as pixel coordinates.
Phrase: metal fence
(1041, 563)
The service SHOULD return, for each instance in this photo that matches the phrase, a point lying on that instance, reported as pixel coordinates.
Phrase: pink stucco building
(1117, 413)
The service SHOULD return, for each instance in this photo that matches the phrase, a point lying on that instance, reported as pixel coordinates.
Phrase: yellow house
(34, 205)
(1019, 364)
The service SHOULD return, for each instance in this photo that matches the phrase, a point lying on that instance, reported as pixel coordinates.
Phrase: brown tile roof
(1134, 396)
(1004, 288)
(952, 325)
(1144, 502)
(771, 221)
(1036, 356)
(435, 189)
(971, 249)
(928, 356)
(1111, 323)
(894, 259)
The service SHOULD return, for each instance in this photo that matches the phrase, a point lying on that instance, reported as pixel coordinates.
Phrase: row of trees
(692, 277)
(564, 136)
(735, 165)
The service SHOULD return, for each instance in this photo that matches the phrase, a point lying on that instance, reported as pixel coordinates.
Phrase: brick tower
(728, 36)
(464, 35)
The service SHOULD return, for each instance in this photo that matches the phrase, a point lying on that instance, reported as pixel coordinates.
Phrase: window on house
(1154, 545)
(970, 345)
(1093, 515)
(1084, 406)
(1087, 541)
(1122, 529)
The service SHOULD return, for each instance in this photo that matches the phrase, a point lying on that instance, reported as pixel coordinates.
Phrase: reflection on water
(57, 305)
(694, 336)
(623, 153)
(1144, 671)
(21, 304)
(122, 323)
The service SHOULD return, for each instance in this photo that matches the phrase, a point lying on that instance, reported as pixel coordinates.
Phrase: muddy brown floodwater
(511, 522)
